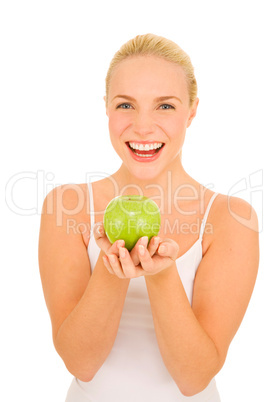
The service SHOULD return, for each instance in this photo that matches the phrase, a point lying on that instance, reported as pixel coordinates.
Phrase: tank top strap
(204, 220)
(91, 207)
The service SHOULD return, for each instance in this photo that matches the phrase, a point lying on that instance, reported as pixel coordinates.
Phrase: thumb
(100, 237)
(98, 230)
(103, 241)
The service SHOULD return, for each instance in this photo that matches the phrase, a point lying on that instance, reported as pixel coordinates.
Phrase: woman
(155, 323)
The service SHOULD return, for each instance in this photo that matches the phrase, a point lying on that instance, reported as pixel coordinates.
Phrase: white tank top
(134, 369)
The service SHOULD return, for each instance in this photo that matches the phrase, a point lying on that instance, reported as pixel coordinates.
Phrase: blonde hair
(150, 44)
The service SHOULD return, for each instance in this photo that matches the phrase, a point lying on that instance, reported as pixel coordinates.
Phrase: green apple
(130, 217)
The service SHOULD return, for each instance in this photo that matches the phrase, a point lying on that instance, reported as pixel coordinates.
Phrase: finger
(115, 265)
(103, 241)
(168, 248)
(100, 237)
(135, 251)
(153, 245)
(98, 230)
(114, 249)
(145, 259)
(128, 267)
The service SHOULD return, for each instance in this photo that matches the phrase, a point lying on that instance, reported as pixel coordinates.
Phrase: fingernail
(141, 249)
(156, 240)
(100, 230)
(122, 252)
(144, 240)
(162, 249)
(120, 243)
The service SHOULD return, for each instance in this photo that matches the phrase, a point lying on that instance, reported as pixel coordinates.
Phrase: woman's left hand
(124, 266)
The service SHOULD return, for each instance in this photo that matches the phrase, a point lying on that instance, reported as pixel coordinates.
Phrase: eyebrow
(159, 99)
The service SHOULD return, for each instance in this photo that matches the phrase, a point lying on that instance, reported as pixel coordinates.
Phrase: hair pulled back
(150, 44)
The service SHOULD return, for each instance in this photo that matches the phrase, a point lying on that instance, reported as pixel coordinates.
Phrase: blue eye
(124, 106)
(167, 106)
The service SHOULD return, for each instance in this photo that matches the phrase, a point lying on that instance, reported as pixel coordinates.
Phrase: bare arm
(194, 341)
(85, 309)
(188, 352)
(86, 336)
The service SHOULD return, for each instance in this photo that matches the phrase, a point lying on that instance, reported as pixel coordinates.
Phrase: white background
(54, 58)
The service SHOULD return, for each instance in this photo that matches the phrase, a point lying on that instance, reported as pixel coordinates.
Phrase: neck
(170, 183)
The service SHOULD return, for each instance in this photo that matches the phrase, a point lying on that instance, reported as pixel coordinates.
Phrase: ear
(193, 111)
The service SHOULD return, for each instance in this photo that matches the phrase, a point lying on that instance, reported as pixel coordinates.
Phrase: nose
(143, 123)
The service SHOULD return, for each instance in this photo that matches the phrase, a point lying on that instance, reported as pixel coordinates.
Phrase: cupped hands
(146, 258)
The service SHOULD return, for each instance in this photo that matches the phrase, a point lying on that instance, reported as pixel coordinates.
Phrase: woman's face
(148, 111)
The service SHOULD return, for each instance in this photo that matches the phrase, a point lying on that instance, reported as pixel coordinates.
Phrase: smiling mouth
(145, 150)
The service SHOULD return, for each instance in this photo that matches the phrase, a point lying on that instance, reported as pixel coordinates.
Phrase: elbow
(84, 376)
(79, 368)
(194, 387)
(198, 381)
(190, 390)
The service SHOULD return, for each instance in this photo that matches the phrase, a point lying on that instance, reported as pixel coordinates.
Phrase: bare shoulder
(235, 232)
(68, 198)
(68, 206)
(234, 216)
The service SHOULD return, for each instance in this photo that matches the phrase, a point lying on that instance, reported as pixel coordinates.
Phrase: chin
(144, 173)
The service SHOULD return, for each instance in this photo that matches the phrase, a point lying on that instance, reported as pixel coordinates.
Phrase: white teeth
(144, 156)
(145, 147)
